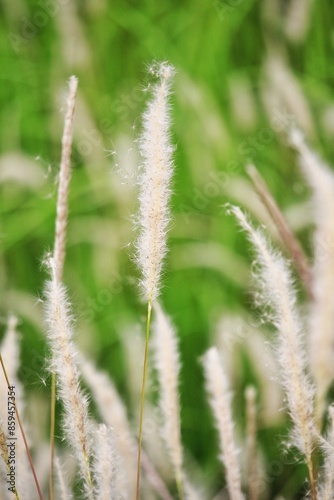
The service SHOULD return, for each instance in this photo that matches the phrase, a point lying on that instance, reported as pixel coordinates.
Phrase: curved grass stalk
(154, 213)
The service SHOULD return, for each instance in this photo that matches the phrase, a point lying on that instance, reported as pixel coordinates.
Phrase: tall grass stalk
(60, 238)
(75, 423)
(321, 317)
(277, 294)
(154, 182)
(142, 397)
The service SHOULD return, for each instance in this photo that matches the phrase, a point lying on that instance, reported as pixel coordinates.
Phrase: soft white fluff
(114, 414)
(278, 295)
(321, 339)
(104, 463)
(63, 363)
(154, 181)
(61, 483)
(167, 363)
(220, 400)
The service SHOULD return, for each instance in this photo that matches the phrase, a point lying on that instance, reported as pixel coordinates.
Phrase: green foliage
(108, 45)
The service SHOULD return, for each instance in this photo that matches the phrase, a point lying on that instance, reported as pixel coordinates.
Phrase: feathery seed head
(105, 463)
(76, 423)
(277, 291)
(154, 183)
(321, 320)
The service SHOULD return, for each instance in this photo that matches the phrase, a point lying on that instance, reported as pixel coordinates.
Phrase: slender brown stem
(22, 432)
(142, 401)
(285, 232)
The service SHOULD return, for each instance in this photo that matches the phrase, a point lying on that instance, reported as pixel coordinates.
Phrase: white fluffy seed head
(155, 184)
(104, 463)
(76, 424)
(321, 321)
(277, 293)
(113, 413)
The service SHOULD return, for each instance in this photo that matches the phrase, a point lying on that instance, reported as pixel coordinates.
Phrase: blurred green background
(246, 71)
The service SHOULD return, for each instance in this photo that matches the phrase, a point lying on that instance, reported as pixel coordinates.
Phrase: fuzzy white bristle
(154, 182)
(277, 294)
(63, 363)
(321, 323)
(104, 463)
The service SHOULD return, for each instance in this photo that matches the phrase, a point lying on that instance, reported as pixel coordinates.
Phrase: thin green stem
(52, 432)
(140, 438)
(22, 433)
(179, 485)
(89, 477)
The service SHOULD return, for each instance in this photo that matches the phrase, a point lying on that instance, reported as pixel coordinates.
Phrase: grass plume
(154, 182)
(277, 293)
(63, 363)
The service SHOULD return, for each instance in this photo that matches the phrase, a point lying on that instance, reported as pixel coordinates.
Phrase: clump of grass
(104, 448)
